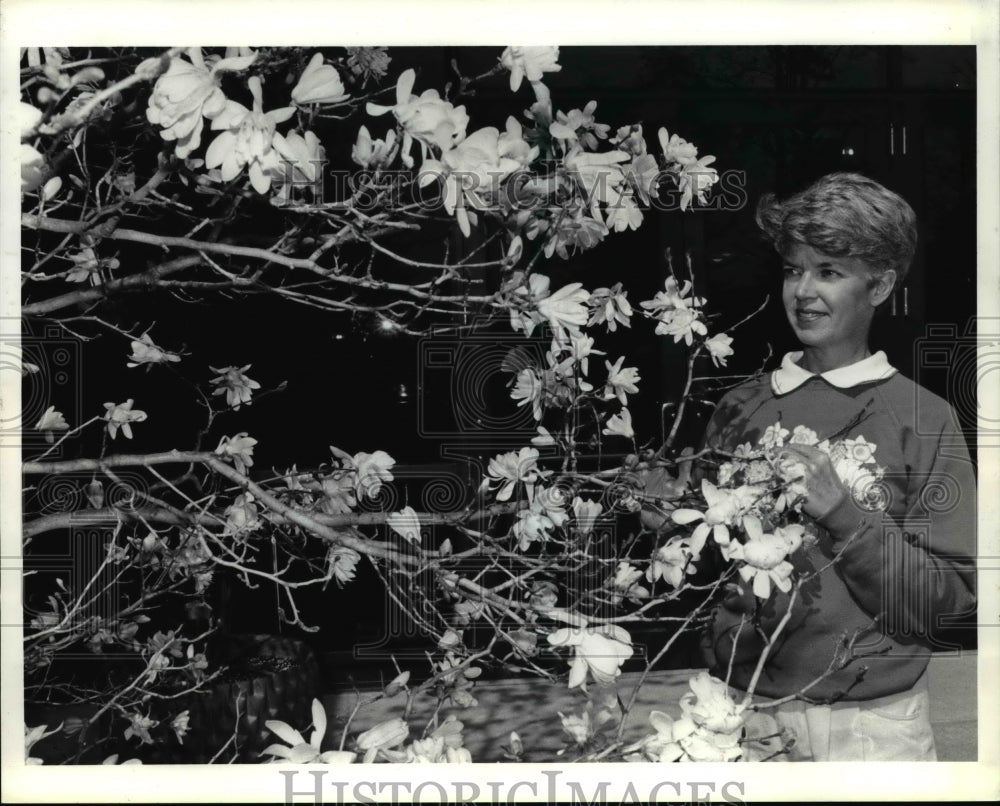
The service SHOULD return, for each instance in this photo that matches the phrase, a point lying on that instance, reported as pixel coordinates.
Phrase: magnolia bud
(95, 494)
(397, 684)
(458, 755)
(516, 745)
(390, 733)
(449, 639)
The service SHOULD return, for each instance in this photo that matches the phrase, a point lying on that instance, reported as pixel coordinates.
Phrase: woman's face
(830, 301)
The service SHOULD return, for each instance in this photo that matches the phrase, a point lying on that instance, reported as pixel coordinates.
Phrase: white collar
(790, 375)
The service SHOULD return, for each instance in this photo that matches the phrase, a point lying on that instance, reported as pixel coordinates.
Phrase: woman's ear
(881, 287)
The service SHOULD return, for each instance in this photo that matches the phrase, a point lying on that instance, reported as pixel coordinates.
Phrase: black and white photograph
(388, 395)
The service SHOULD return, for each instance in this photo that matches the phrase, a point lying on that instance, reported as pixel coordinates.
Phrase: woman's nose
(804, 287)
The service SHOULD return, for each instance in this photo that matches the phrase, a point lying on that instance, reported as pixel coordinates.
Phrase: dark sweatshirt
(911, 565)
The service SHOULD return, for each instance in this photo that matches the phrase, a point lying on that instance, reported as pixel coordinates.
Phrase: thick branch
(146, 279)
(87, 517)
(149, 278)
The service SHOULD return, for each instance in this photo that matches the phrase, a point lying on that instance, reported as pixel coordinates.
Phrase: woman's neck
(818, 360)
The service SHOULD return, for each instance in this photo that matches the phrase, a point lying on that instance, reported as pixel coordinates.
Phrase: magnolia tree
(203, 141)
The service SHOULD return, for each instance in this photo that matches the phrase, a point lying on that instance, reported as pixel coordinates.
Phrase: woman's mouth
(806, 316)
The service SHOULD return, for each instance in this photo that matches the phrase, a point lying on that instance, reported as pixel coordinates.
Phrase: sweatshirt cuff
(842, 521)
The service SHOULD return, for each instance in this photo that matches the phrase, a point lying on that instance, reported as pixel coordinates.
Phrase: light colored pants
(893, 728)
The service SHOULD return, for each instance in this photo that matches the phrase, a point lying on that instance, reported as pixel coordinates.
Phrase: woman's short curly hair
(845, 215)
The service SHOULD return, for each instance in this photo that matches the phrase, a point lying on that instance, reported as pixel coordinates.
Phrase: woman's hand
(660, 491)
(813, 476)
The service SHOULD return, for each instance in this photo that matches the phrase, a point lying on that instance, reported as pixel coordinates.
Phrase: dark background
(780, 116)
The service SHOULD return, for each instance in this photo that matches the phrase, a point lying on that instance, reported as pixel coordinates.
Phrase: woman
(903, 547)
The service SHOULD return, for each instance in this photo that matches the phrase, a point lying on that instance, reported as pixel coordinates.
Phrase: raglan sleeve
(916, 571)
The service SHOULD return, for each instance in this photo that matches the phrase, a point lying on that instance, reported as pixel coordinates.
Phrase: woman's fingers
(823, 488)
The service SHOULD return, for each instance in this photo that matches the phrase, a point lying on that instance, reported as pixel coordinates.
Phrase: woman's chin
(809, 336)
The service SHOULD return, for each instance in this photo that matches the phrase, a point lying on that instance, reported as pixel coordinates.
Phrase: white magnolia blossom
(471, 172)
(621, 381)
(673, 297)
(122, 415)
(235, 385)
(676, 148)
(718, 347)
(51, 420)
(566, 308)
(510, 469)
(383, 736)
(179, 725)
(624, 214)
(695, 180)
(529, 62)
(343, 563)
(145, 352)
(406, 524)
(529, 388)
(246, 139)
(373, 154)
(239, 448)
(139, 727)
(600, 176)
(723, 508)
(579, 345)
(764, 556)
(187, 93)
(626, 583)
(579, 127)
(297, 750)
(300, 164)
(610, 306)
(532, 525)
(710, 728)
(374, 470)
(681, 323)
(33, 168)
(242, 515)
(675, 559)
(523, 313)
(319, 84)
(427, 118)
(601, 651)
(579, 727)
(620, 425)
(586, 512)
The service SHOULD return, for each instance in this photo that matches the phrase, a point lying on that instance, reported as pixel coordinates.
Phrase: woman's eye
(790, 271)
(830, 273)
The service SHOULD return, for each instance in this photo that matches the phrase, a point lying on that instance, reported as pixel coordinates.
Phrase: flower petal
(319, 723)
(284, 731)
(685, 516)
